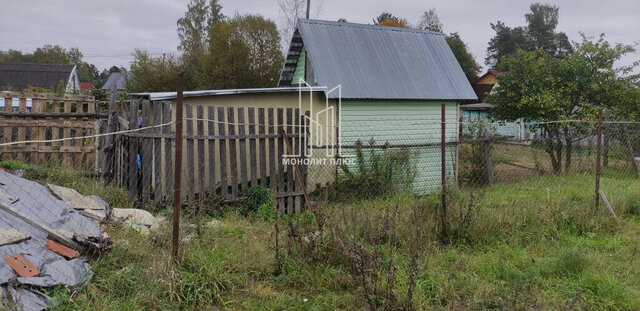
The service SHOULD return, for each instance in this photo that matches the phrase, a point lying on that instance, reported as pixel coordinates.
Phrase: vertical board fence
(226, 150)
(44, 116)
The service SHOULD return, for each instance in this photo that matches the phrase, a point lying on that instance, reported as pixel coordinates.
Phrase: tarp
(37, 203)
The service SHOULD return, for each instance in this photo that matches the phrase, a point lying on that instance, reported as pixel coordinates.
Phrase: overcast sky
(107, 32)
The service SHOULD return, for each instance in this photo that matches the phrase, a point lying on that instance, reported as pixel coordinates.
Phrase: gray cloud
(107, 32)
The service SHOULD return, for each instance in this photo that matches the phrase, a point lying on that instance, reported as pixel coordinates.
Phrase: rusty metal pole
(598, 153)
(443, 173)
(177, 170)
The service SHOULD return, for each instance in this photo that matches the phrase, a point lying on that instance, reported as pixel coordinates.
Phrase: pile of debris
(46, 234)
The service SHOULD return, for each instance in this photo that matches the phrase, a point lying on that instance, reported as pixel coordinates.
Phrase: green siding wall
(404, 123)
(298, 74)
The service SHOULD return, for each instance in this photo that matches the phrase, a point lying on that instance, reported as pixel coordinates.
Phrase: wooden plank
(253, 168)
(53, 234)
(168, 150)
(49, 96)
(243, 150)
(145, 154)
(157, 152)
(296, 150)
(133, 150)
(22, 130)
(7, 129)
(272, 151)
(190, 173)
(233, 156)
(289, 173)
(608, 205)
(280, 180)
(200, 161)
(211, 146)
(223, 153)
(66, 133)
(262, 154)
(304, 131)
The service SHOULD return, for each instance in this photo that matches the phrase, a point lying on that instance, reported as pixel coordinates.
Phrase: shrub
(256, 197)
(379, 173)
(266, 212)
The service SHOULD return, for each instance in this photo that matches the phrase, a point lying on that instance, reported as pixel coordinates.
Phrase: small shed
(393, 81)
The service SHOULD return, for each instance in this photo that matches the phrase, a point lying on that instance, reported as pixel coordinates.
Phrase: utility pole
(308, 8)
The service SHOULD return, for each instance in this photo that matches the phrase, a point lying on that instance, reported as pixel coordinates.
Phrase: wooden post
(443, 173)
(177, 176)
(598, 154)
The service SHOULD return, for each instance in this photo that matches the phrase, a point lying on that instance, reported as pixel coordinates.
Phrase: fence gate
(44, 116)
(226, 150)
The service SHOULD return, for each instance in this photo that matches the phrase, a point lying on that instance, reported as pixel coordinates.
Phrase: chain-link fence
(254, 161)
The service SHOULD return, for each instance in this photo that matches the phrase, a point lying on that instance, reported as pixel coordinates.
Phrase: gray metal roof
(19, 76)
(118, 79)
(172, 95)
(379, 62)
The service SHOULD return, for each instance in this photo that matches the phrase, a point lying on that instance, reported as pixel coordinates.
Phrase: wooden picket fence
(226, 150)
(45, 116)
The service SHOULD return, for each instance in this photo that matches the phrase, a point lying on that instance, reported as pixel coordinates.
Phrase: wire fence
(213, 159)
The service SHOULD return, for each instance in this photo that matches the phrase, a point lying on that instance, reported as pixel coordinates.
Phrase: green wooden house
(393, 83)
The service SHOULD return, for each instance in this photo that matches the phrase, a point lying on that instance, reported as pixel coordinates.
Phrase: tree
(546, 88)
(153, 74)
(388, 19)
(507, 41)
(463, 56)
(430, 21)
(290, 12)
(51, 54)
(539, 34)
(243, 52)
(194, 33)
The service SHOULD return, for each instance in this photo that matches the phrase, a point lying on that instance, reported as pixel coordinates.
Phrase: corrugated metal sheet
(18, 76)
(172, 95)
(376, 62)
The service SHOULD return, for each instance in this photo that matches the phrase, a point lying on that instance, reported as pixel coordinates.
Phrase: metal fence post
(177, 169)
(598, 154)
(443, 148)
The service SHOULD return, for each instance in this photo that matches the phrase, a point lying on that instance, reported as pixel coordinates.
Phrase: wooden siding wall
(50, 117)
(412, 125)
(226, 150)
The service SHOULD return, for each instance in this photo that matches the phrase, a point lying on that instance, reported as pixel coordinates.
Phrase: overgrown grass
(538, 244)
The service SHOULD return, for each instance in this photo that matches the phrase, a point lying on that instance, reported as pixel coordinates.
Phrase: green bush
(266, 212)
(377, 174)
(256, 197)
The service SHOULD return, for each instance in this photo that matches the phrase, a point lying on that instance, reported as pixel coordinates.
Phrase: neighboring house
(116, 78)
(480, 111)
(18, 77)
(393, 83)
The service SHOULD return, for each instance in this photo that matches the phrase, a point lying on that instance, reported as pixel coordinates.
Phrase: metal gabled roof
(379, 62)
(20, 76)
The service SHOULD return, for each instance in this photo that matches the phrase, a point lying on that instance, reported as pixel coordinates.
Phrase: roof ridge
(369, 26)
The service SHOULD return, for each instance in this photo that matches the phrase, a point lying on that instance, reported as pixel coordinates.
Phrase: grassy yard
(537, 244)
